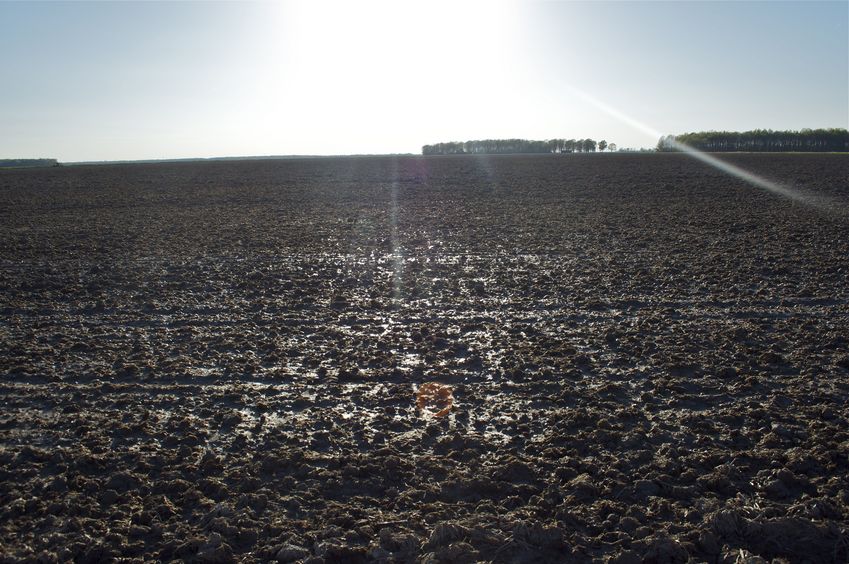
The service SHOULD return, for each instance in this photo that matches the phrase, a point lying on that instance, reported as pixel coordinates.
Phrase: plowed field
(648, 360)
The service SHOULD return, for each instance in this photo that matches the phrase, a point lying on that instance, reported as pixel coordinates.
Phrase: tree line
(805, 140)
(18, 163)
(504, 146)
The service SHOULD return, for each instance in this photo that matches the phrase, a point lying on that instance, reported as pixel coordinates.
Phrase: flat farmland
(218, 361)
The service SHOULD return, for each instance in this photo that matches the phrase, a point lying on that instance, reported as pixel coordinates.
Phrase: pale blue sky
(102, 81)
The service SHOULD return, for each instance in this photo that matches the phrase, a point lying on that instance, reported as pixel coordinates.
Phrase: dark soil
(218, 361)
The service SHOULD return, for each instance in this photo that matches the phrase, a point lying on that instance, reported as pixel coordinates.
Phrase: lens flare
(814, 200)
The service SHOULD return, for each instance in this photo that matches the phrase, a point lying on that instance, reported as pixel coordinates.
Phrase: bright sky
(106, 81)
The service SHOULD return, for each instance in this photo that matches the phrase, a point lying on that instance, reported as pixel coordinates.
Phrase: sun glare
(369, 65)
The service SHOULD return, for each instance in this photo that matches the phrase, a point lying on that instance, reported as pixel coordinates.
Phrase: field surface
(218, 361)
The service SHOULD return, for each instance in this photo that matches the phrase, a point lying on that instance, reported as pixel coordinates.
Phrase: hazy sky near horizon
(106, 81)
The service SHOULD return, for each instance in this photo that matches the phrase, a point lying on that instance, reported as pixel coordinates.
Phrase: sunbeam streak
(783, 190)
(397, 256)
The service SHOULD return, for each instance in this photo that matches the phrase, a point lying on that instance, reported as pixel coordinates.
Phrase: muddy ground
(218, 361)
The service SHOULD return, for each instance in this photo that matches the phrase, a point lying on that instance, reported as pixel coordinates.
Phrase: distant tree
(666, 143)
(602, 145)
(612, 147)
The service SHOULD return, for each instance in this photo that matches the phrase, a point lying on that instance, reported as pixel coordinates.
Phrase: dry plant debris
(435, 398)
